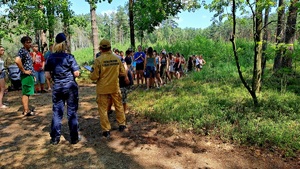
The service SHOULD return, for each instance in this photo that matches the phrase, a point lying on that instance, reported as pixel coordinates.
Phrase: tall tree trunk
(68, 36)
(232, 39)
(67, 15)
(94, 29)
(265, 40)
(51, 21)
(279, 35)
(37, 38)
(40, 39)
(290, 34)
(39, 31)
(43, 40)
(142, 37)
(257, 71)
(131, 24)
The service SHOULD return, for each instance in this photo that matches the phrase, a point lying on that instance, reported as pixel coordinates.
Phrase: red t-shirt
(38, 62)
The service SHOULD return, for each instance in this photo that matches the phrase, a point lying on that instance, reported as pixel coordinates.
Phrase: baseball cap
(104, 44)
(60, 38)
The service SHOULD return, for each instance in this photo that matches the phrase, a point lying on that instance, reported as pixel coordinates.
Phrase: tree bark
(51, 21)
(257, 71)
(43, 40)
(94, 29)
(290, 34)
(68, 36)
(265, 39)
(131, 24)
(232, 39)
(279, 35)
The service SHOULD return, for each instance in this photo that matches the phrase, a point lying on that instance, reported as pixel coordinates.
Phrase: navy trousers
(64, 93)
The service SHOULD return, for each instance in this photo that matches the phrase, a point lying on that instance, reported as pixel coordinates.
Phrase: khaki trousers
(102, 101)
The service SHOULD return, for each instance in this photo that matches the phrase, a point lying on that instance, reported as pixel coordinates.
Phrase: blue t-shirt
(61, 66)
(139, 60)
(26, 59)
(47, 54)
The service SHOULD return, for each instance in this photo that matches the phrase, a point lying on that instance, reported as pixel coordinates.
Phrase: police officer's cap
(60, 38)
(105, 44)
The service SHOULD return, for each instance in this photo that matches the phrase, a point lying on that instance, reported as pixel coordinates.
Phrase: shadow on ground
(144, 144)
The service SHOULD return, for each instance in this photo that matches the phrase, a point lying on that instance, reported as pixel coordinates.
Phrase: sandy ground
(25, 143)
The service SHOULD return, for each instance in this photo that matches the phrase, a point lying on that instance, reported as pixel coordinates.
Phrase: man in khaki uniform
(106, 71)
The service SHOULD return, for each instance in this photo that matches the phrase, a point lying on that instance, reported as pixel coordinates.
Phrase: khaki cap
(104, 44)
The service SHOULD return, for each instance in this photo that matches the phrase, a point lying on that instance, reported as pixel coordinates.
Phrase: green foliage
(150, 13)
(214, 102)
(84, 56)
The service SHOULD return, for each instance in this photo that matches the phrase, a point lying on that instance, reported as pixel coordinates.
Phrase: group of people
(112, 71)
(157, 69)
(62, 68)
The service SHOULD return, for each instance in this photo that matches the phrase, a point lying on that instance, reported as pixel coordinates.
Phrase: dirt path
(24, 143)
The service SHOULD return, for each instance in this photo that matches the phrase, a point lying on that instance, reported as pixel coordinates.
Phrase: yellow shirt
(106, 71)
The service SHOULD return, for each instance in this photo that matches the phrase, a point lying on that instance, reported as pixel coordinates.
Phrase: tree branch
(267, 24)
(252, 10)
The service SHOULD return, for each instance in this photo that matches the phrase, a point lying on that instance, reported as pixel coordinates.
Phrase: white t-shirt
(197, 61)
(1, 64)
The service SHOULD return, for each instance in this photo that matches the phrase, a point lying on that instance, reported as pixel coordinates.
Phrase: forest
(247, 93)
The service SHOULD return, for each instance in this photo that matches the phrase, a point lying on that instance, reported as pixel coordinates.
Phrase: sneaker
(76, 141)
(44, 91)
(54, 142)
(122, 128)
(3, 106)
(106, 134)
(30, 113)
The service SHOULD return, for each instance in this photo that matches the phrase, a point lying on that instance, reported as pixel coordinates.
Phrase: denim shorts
(40, 77)
(149, 72)
(2, 75)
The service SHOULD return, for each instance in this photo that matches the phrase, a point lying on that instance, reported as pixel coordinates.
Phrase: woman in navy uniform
(63, 69)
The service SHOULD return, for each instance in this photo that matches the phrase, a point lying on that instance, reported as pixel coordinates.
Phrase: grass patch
(225, 110)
